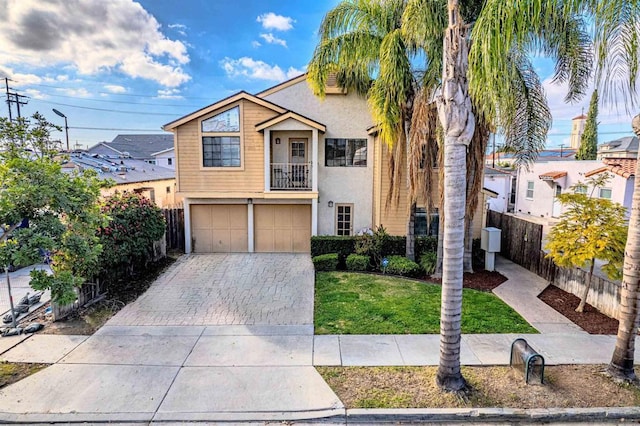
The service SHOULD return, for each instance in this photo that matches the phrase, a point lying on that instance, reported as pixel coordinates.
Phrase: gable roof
(490, 171)
(627, 143)
(293, 115)
(283, 85)
(137, 146)
(624, 167)
(221, 104)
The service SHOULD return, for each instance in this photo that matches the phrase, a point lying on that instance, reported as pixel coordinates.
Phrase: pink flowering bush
(135, 222)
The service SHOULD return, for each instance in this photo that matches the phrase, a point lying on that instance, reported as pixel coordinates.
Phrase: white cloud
(35, 94)
(256, 44)
(114, 88)
(115, 35)
(257, 70)
(169, 94)
(271, 39)
(271, 21)
(179, 28)
(77, 93)
(19, 79)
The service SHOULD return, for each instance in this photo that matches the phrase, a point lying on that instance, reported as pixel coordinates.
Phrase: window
(420, 227)
(221, 151)
(169, 161)
(221, 139)
(529, 189)
(605, 193)
(580, 189)
(345, 152)
(168, 190)
(228, 121)
(153, 162)
(344, 219)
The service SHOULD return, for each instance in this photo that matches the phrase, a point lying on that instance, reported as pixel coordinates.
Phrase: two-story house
(265, 172)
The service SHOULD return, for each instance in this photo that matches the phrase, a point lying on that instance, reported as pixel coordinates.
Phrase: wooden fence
(175, 228)
(522, 244)
(87, 294)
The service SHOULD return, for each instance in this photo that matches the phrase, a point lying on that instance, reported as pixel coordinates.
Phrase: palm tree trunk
(411, 235)
(440, 250)
(587, 286)
(458, 122)
(621, 366)
(468, 245)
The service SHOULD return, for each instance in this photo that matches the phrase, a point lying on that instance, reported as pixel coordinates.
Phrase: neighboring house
(538, 187)
(501, 159)
(265, 172)
(166, 158)
(503, 184)
(626, 147)
(154, 182)
(137, 147)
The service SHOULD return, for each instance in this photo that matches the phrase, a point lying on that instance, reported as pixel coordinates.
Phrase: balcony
(291, 177)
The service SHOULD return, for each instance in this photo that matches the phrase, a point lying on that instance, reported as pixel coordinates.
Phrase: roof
(293, 115)
(136, 146)
(627, 143)
(124, 170)
(221, 104)
(490, 171)
(283, 85)
(164, 151)
(550, 176)
(624, 167)
(580, 117)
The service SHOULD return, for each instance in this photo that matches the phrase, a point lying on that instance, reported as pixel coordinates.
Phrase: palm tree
(361, 42)
(621, 365)
(503, 34)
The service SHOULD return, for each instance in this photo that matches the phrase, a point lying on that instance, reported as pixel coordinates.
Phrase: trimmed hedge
(395, 245)
(399, 265)
(326, 262)
(357, 262)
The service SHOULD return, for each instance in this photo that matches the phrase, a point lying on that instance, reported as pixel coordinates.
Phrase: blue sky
(120, 66)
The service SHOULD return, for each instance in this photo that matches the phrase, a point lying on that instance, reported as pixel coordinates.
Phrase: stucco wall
(163, 159)
(541, 204)
(345, 116)
(502, 185)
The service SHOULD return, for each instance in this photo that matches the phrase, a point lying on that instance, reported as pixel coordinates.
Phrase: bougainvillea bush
(135, 222)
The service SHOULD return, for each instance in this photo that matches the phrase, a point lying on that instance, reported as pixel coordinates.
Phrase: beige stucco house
(265, 172)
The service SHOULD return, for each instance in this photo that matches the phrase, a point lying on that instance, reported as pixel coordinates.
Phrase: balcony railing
(291, 176)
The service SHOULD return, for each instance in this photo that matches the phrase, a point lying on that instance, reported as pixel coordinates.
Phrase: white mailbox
(490, 240)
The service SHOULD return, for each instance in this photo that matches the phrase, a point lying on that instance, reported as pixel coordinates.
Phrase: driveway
(227, 289)
(224, 337)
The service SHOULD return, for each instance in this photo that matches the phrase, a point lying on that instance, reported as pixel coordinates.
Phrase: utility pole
(13, 98)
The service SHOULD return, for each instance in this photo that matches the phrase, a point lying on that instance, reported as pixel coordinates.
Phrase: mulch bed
(592, 321)
(481, 280)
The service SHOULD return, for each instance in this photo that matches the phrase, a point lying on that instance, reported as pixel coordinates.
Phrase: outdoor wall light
(330, 203)
(277, 141)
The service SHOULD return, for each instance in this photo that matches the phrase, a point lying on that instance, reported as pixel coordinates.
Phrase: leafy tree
(622, 360)
(589, 229)
(61, 209)
(589, 142)
(135, 223)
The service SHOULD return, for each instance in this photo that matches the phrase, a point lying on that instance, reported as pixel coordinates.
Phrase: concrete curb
(350, 416)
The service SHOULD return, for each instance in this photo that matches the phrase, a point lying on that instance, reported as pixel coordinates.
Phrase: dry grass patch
(414, 387)
(11, 372)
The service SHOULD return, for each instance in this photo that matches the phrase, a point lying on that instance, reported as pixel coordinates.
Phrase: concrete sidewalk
(247, 360)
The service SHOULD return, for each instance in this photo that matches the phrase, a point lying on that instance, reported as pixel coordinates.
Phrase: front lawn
(351, 303)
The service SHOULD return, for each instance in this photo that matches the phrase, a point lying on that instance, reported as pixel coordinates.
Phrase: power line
(118, 129)
(111, 110)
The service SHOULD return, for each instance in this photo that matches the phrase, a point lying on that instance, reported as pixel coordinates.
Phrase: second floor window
(345, 152)
(221, 146)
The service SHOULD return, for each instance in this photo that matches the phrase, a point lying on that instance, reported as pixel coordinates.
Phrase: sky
(124, 67)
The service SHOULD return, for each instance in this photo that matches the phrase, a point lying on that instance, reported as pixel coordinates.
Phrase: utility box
(490, 239)
(490, 243)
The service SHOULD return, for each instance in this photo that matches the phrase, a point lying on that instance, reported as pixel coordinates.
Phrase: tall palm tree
(621, 365)
(503, 34)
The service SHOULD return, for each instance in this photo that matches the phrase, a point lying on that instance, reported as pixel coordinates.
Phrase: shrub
(428, 262)
(134, 224)
(399, 265)
(426, 245)
(358, 262)
(326, 262)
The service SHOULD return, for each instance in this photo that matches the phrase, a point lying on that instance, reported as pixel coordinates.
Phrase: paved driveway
(227, 289)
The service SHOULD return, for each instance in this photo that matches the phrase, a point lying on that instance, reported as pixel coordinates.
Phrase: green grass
(352, 303)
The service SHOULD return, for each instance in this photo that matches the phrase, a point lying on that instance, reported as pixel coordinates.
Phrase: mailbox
(490, 240)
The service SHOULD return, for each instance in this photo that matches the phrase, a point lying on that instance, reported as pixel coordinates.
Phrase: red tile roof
(625, 167)
(552, 175)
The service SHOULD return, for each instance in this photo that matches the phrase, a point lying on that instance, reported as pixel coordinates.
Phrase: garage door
(219, 228)
(282, 228)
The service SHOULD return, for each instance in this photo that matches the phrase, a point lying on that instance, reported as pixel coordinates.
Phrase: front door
(557, 205)
(298, 162)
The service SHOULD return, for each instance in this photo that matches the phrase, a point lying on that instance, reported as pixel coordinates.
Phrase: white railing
(291, 176)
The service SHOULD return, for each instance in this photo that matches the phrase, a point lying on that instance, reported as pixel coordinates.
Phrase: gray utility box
(490, 239)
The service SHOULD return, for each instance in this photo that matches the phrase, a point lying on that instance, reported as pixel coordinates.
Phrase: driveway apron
(219, 337)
